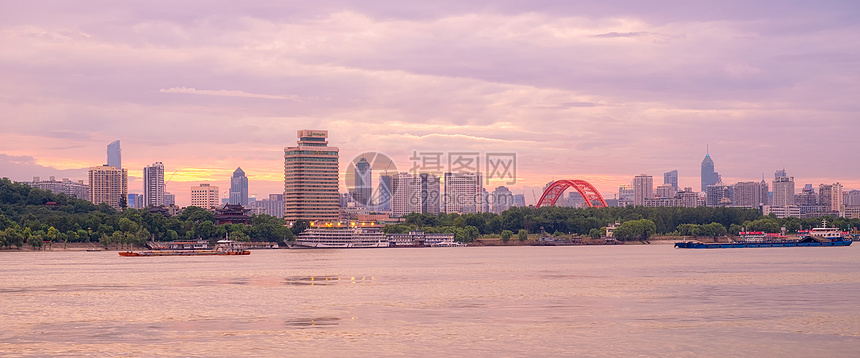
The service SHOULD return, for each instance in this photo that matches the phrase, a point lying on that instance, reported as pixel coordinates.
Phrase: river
(601, 301)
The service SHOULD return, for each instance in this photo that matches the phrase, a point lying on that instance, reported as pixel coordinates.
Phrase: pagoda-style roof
(232, 214)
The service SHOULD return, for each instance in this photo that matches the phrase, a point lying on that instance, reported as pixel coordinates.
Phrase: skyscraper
(709, 176)
(502, 199)
(406, 194)
(431, 193)
(204, 196)
(747, 195)
(384, 199)
(109, 185)
(783, 189)
(463, 192)
(238, 188)
(114, 155)
(671, 178)
(311, 178)
(643, 188)
(153, 185)
(363, 183)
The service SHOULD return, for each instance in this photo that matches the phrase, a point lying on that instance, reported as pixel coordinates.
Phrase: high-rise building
(807, 196)
(311, 178)
(169, 199)
(643, 188)
(825, 196)
(719, 195)
(431, 193)
(747, 195)
(689, 198)
(114, 155)
(836, 200)
(406, 194)
(671, 178)
(666, 191)
(238, 188)
(135, 201)
(363, 183)
(502, 199)
(153, 185)
(109, 185)
(783, 189)
(273, 206)
(384, 190)
(765, 192)
(205, 196)
(519, 200)
(851, 198)
(709, 176)
(463, 192)
(73, 189)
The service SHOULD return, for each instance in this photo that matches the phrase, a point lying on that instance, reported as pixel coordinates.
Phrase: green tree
(14, 237)
(35, 241)
(594, 233)
(104, 239)
(523, 235)
(52, 233)
(506, 235)
(300, 226)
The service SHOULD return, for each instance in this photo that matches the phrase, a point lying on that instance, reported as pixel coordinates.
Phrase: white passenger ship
(340, 238)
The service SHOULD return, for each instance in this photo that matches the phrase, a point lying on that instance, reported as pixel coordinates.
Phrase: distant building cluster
(777, 197)
(311, 190)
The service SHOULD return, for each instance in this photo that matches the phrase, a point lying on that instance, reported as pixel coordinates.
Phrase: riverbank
(72, 246)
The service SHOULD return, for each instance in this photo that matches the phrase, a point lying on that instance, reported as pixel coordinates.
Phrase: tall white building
(463, 193)
(108, 185)
(501, 199)
(406, 194)
(836, 199)
(205, 196)
(643, 188)
(783, 189)
(153, 185)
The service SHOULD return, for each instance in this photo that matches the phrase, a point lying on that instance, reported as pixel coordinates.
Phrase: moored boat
(224, 247)
(818, 237)
(340, 238)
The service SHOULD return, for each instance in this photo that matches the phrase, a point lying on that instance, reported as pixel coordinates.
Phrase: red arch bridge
(589, 193)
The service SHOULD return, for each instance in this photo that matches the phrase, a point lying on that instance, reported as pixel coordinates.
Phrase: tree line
(33, 216)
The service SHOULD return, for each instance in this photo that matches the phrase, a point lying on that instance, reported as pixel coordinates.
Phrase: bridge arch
(589, 193)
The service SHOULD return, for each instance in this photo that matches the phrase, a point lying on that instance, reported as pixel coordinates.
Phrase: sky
(578, 90)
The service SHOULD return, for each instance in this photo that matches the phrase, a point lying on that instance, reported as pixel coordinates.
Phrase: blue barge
(811, 243)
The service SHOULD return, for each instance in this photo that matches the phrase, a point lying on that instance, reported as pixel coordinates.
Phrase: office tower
(272, 206)
(671, 178)
(114, 155)
(406, 194)
(153, 185)
(807, 196)
(643, 188)
(502, 199)
(363, 183)
(783, 189)
(463, 192)
(747, 195)
(431, 193)
(825, 196)
(836, 199)
(666, 191)
(311, 178)
(709, 176)
(238, 188)
(109, 185)
(205, 196)
(135, 201)
(765, 192)
(73, 189)
(485, 201)
(519, 200)
(384, 188)
(169, 199)
(719, 195)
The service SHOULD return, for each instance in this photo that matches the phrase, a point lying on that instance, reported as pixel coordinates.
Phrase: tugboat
(820, 236)
(224, 247)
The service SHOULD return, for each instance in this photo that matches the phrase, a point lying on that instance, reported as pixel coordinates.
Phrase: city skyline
(640, 88)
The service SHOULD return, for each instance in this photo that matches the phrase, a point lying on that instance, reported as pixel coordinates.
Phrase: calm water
(513, 301)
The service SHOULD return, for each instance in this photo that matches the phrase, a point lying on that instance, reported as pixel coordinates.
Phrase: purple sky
(600, 92)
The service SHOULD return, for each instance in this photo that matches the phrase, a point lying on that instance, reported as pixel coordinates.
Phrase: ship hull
(699, 245)
(182, 253)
